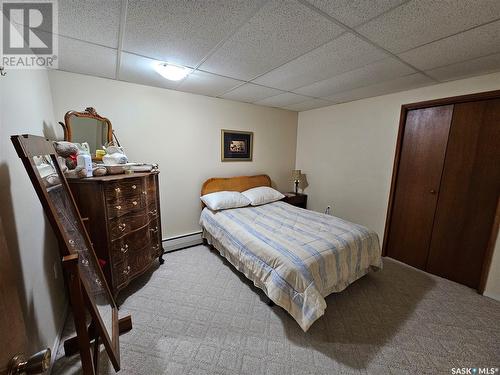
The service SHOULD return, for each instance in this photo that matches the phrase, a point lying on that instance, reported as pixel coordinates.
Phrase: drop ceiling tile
(355, 12)
(423, 21)
(279, 32)
(482, 65)
(345, 53)
(308, 104)
(282, 100)
(86, 58)
(180, 31)
(368, 75)
(250, 93)
(207, 84)
(94, 21)
(399, 84)
(481, 41)
(137, 69)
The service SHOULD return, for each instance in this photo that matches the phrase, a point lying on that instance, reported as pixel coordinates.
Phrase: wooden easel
(82, 342)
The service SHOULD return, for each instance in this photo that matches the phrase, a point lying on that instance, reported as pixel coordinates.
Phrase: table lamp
(296, 173)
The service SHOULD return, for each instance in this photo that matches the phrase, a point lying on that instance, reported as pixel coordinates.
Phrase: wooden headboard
(240, 183)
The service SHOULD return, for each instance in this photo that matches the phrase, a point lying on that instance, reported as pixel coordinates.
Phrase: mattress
(296, 256)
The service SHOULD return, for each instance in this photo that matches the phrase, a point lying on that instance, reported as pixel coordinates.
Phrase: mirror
(73, 231)
(87, 126)
(39, 158)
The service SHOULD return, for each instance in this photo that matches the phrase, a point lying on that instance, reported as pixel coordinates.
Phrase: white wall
(26, 107)
(181, 132)
(347, 151)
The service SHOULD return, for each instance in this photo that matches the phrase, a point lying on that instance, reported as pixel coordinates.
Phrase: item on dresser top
(99, 154)
(78, 172)
(223, 200)
(114, 155)
(130, 168)
(98, 170)
(262, 195)
(70, 152)
(115, 168)
(143, 167)
(84, 161)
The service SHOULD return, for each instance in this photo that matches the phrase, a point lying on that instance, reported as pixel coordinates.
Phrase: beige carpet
(197, 315)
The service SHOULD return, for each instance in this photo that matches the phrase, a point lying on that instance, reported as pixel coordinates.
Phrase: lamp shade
(296, 173)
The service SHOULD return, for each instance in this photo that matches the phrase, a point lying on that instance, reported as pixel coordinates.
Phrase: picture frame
(236, 145)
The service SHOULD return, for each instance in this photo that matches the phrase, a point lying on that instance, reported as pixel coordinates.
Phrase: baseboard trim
(57, 340)
(495, 296)
(182, 241)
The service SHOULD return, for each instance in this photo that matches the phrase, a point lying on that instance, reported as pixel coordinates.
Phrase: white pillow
(222, 200)
(262, 195)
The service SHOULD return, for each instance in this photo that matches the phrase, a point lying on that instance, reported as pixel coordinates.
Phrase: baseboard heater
(182, 241)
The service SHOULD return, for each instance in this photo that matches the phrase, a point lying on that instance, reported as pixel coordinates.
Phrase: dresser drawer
(120, 207)
(121, 191)
(131, 242)
(121, 273)
(122, 225)
(140, 260)
(153, 211)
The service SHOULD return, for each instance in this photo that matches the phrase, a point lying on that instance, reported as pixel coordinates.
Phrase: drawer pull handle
(124, 249)
(126, 271)
(118, 190)
(72, 242)
(156, 247)
(134, 187)
(134, 203)
(154, 230)
(144, 192)
(118, 207)
(153, 212)
(122, 226)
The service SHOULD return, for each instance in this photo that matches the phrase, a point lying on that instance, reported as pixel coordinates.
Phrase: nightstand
(296, 199)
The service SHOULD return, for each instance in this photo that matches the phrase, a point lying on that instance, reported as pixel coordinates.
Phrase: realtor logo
(29, 34)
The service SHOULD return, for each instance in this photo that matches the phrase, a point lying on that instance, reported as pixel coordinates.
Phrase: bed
(296, 256)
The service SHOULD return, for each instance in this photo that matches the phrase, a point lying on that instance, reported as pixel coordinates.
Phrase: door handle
(432, 191)
(36, 364)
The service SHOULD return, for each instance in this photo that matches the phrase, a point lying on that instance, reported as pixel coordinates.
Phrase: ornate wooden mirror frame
(89, 112)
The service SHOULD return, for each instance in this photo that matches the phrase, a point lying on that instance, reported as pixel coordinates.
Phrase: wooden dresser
(122, 216)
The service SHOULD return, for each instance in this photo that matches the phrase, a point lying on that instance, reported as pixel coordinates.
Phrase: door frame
(495, 94)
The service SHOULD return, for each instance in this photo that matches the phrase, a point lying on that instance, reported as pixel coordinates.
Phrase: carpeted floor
(197, 315)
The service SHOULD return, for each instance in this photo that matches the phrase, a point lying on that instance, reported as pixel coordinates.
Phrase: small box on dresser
(122, 215)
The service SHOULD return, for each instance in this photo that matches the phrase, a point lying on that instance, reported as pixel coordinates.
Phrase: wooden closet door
(419, 173)
(469, 192)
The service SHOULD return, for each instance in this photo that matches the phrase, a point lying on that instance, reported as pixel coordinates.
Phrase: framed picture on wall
(236, 145)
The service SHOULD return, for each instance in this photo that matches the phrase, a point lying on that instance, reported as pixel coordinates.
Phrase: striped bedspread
(297, 257)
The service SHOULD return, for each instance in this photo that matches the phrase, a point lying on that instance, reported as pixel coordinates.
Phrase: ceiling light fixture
(172, 72)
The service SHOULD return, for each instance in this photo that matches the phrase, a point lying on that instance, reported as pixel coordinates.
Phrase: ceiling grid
(292, 54)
